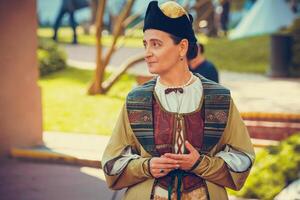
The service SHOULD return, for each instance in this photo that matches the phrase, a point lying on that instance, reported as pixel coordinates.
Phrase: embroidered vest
(164, 136)
(155, 133)
(139, 104)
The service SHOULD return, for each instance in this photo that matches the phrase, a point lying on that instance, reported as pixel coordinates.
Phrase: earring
(181, 58)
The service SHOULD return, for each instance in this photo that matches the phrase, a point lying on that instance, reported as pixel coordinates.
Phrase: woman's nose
(148, 52)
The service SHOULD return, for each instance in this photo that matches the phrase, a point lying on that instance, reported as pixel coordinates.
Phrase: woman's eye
(156, 44)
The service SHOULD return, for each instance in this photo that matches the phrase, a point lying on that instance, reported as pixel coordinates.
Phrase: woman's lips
(150, 62)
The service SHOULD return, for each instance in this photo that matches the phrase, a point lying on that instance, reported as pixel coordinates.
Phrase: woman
(179, 136)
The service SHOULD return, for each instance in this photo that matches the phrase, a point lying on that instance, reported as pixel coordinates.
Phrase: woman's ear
(183, 47)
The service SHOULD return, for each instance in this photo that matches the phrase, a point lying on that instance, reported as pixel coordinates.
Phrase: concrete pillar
(20, 97)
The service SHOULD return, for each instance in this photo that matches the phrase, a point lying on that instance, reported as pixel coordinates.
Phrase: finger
(177, 157)
(166, 160)
(189, 147)
(166, 166)
(182, 162)
(158, 160)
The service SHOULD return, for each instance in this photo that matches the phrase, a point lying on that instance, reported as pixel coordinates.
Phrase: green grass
(68, 108)
(243, 55)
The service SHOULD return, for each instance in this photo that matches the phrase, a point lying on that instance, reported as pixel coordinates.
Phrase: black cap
(181, 27)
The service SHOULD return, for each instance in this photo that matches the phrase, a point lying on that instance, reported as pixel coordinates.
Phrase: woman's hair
(192, 48)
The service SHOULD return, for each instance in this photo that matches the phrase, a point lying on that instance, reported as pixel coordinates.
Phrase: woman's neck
(175, 77)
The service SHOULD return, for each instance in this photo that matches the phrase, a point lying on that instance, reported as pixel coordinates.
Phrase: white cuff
(236, 160)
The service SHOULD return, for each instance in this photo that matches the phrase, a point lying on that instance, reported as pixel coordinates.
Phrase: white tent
(265, 17)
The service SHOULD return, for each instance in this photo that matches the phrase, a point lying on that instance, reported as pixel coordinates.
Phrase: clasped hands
(161, 166)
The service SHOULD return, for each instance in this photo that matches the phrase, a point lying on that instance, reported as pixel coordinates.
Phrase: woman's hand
(161, 166)
(186, 161)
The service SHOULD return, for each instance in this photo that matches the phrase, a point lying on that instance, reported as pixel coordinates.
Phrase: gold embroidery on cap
(173, 9)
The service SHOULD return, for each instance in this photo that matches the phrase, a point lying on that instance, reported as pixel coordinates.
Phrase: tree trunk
(123, 68)
(97, 86)
(98, 77)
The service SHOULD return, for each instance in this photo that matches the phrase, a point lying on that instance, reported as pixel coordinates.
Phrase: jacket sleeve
(232, 158)
(122, 163)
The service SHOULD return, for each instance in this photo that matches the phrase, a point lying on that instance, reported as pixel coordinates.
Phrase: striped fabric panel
(139, 108)
(215, 126)
(216, 104)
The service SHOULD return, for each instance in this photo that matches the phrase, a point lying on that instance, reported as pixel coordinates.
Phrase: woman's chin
(152, 69)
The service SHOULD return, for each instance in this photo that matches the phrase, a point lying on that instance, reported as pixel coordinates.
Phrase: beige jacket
(213, 169)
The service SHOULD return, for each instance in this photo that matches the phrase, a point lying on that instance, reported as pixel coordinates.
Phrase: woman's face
(161, 53)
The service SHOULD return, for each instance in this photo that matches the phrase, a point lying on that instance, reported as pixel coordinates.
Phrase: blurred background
(67, 66)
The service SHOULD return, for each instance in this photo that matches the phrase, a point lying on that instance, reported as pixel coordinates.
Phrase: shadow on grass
(71, 74)
(84, 77)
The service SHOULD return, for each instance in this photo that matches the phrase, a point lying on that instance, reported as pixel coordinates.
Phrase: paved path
(258, 93)
(251, 92)
(82, 146)
(23, 180)
(28, 180)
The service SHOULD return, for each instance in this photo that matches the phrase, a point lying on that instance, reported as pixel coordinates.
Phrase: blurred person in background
(294, 6)
(202, 66)
(224, 18)
(69, 7)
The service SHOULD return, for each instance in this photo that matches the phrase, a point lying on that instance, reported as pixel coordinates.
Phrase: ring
(161, 171)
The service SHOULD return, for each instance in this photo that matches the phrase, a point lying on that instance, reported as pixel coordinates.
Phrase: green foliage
(274, 168)
(51, 58)
(68, 108)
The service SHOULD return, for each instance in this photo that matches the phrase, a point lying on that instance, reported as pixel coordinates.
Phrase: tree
(99, 86)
